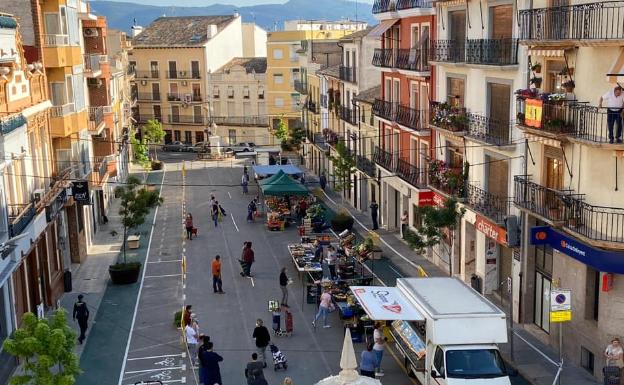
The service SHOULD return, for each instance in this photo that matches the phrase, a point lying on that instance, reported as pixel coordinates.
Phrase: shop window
(592, 294)
(587, 360)
(541, 314)
(188, 137)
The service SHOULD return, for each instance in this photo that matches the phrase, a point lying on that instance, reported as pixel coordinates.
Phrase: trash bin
(475, 282)
(67, 281)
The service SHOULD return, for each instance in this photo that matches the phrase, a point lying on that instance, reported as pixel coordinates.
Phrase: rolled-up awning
(547, 51)
(382, 27)
(616, 72)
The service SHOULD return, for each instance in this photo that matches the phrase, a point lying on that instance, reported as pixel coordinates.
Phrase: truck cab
(468, 364)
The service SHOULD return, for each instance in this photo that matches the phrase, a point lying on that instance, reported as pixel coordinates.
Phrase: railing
(599, 223)
(60, 111)
(301, 87)
(384, 57)
(348, 115)
(143, 118)
(385, 109)
(11, 123)
(348, 74)
(449, 51)
(183, 74)
(149, 96)
(492, 206)
(101, 167)
(96, 117)
(555, 117)
(490, 130)
(152, 74)
(381, 6)
(324, 99)
(92, 62)
(365, 165)
(591, 123)
(55, 40)
(413, 175)
(451, 118)
(312, 107)
(585, 21)
(185, 119)
(492, 51)
(331, 136)
(20, 215)
(413, 59)
(174, 96)
(385, 159)
(319, 140)
(447, 178)
(241, 120)
(410, 117)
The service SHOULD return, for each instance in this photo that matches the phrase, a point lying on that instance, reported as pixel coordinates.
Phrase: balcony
(411, 118)
(92, 64)
(96, 119)
(58, 52)
(301, 87)
(490, 205)
(585, 23)
(148, 97)
(365, 165)
(183, 75)
(55, 40)
(347, 74)
(144, 118)
(497, 52)
(381, 6)
(413, 175)
(385, 159)
(152, 74)
(569, 210)
(331, 136)
(65, 120)
(349, 115)
(447, 51)
(20, 215)
(324, 101)
(251, 121)
(448, 179)
(408, 59)
(318, 139)
(10, 124)
(385, 109)
(447, 117)
(553, 117)
(185, 119)
(490, 130)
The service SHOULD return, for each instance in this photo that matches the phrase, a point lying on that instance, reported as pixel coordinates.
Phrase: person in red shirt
(216, 275)
(303, 207)
(247, 259)
(188, 223)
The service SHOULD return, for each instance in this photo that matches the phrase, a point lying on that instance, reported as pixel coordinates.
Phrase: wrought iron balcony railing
(490, 130)
(348, 115)
(318, 139)
(411, 118)
(492, 51)
(152, 74)
(381, 6)
(584, 21)
(185, 119)
(148, 96)
(96, 117)
(413, 175)
(385, 159)
(384, 57)
(301, 87)
(8, 125)
(449, 51)
(365, 165)
(492, 206)
(348, 74)
(555, 117)
(240, 120)
(410, 59)
(600, 223)
(20, 215)
(385, 109)
(143, 118)
(591, 123)
(183, 74)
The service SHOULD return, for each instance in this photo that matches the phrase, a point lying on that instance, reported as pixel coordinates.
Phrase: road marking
(136, 305)
(177, 260)
(181, 355)
(162, 276)
(181, 381)
(230, 195)
(232, 216)
(252, 282)
(183, 367)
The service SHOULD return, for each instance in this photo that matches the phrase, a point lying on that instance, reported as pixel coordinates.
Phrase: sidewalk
(538, 368)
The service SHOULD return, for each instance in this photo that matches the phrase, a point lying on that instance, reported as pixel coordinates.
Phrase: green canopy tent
(281, 184)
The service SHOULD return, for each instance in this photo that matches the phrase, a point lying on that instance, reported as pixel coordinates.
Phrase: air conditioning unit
(94, 82)
(188, 98)
(90, 32)
(38, 195)
(143, 82)
(184, 83)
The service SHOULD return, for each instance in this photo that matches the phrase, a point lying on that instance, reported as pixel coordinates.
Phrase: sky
(191, 3)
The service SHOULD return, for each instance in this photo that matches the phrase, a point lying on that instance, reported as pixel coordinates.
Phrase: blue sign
(601, 260)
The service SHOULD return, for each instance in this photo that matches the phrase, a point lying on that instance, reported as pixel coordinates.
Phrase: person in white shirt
(404, 223)
(613, 101)
(378, 347)
(614, 353)
(191, 333)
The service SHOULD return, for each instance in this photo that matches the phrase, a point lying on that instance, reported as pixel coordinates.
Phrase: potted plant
(136, 203)
(342, 221)
(536, 81)
(156, 165)
(569, 85)
(537, 68)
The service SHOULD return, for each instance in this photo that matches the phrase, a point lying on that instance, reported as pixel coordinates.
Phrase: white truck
(445, 331)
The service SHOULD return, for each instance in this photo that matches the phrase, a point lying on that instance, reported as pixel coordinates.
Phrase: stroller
(279, 359)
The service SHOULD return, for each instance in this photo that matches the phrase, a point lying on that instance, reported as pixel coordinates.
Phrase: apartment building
(172, 57)
(408, 83)
(284, 78)
(366, 185)
(237, 95)
(254, 40)
(570, 197)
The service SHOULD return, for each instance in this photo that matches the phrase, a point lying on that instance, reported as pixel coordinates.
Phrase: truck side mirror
(434, 373)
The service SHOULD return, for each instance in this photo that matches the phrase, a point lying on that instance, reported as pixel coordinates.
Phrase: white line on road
(181, 355)
(252, 282)
(175, 260)
(181, 381)
(232, 216)
(162, 276)
(183, 367)
(230, 195)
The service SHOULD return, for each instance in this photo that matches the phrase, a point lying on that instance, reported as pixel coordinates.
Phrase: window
(177, 135)
(230, 92)
(438, 361)
(215, 92)
(541, 314)
(188, 137)
(173, 72)
(197, 114)
(231, 109)
(246, 92)
(195, 69)
(261, 93)
(157, 113)
(246, 108)
(262, 108)
(279, 102)
(456, 91)
(216, 108)
(278, 53)
(587, 359)
(278, 79)
(196, 92)
(232, 136)
(154, 69)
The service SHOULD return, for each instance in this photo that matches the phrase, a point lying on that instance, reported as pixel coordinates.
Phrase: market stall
(281, 195)
(262, 172)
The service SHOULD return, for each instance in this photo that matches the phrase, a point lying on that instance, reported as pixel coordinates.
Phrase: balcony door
(173, 71)
(157, 113)
(197, 114)
(173, 91)
(195, 69)
(499, 102)
(502, 21)
(155, 91)
(456, 91)
(154, 68)
(457, 25)
(497, 176)
(175, 114)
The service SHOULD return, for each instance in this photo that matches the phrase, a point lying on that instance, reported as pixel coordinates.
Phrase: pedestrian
(245, 183)
(303, 178)
(374, 207)
(81, 313)
(191, 339)
(188, 223)
(263, 338)
(186, 316)
(614, 354)
(368, 362)
(378, 348)
(324, 308)
(332, 257)
(318, 251)
(303, 208)
(248, 258)
(254, 370)
(217, 283)
(214, 212)
(251, 210)
(614, 102)
(204, 339)
(284, 281)
(212, 199)
(210, 365)
(404, 223)
(323, 181)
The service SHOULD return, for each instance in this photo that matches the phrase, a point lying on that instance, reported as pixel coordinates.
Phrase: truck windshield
(474, 363)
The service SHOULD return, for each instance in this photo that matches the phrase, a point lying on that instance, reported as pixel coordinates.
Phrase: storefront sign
(426, 198)
(80, 192)
(491, 230)
(601, 260)
(438, 199)
(385, 303)
(56, 205)
(533, 112)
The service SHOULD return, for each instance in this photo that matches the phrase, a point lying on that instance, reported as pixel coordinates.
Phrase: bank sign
(602, 260)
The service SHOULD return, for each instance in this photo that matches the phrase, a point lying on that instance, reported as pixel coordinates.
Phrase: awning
(274, 169)
(382, 27)
(383, 303)
(547, 51)
(616, 72)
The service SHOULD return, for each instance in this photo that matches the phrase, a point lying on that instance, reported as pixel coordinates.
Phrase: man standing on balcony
(614, 102)
(374, 207)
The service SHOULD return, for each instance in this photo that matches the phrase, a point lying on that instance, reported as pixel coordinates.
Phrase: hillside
(120, 15)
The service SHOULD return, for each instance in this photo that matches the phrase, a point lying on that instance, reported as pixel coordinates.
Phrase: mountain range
(121, 15)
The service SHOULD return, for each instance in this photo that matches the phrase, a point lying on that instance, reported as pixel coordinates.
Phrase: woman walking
(245, 183)
(188, 223)
(284, 281)
(324, 308)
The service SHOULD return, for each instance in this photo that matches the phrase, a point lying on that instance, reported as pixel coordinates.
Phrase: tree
(434, 221)
(344, 166)
(139, 150)
(136, 203)
(153, 133)
(297, 135)
(47, 348)
(281, 131)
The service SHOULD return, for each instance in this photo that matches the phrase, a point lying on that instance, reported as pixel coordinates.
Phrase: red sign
(425, 198)
(491, 230)
(533, 113)
(438, 199)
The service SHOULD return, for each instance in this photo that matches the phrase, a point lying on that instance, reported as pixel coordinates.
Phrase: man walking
(263, 338)
(191, 341)
(81, 313)
(374, 207)
(210, 365)
(614, 102)
(248, 259)
(253, 371)
(216, 275)
(284, 281)
(323, 181)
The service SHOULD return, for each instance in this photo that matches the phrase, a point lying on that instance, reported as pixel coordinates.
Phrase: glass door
(542, 301)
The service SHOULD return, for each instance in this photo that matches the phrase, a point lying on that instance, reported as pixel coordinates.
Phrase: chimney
(136, 30)
(211, 31)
